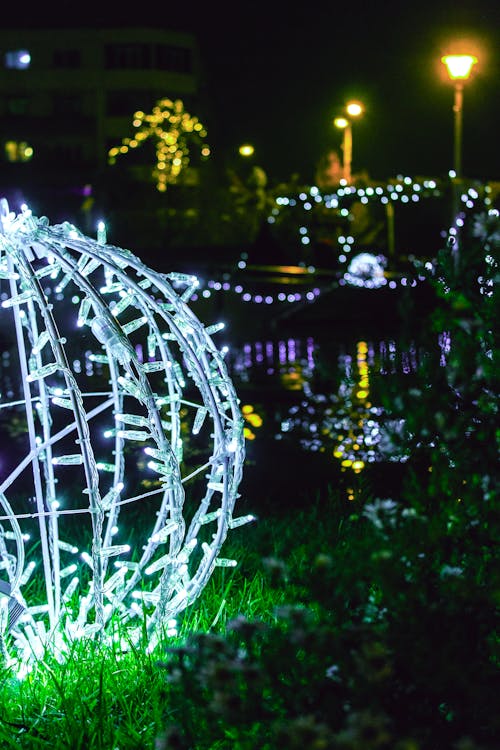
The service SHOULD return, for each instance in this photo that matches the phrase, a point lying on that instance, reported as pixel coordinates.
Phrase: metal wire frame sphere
(122, 485)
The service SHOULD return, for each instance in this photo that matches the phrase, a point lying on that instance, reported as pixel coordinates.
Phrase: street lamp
(459, 69)
(353, 109)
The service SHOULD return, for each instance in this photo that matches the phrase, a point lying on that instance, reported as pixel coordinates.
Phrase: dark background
(277, 75)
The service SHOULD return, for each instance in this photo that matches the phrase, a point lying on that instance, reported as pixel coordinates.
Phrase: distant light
(341, 122)
(354, 109)
(246, 149)
(18, 59)
(18, 151)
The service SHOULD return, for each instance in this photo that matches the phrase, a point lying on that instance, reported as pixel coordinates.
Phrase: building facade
(68, 96)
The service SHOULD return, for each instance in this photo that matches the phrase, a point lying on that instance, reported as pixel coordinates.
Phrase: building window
(67, 104)
(176, 59)
(146, 57)
(67, 58)
(16, 151)
(128, 56)
(125, 103)
(66, 153)
(17, 105)
(17, 59)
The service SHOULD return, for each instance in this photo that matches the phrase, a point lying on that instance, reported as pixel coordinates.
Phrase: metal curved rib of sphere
(118, 492)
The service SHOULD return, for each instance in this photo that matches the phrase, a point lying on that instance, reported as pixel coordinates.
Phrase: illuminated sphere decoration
(366, 270)
(117, 489)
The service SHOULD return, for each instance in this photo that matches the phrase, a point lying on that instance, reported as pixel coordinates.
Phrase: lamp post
(344, 124)
(459, 69)
(353, 109)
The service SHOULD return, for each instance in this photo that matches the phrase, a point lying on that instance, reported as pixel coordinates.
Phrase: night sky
(277, 75)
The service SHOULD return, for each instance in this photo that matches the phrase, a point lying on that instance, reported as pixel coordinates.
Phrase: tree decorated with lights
(85, 551)
(173, 130)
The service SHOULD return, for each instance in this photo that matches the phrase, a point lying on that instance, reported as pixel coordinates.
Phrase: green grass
(101, 699)
(326, 635)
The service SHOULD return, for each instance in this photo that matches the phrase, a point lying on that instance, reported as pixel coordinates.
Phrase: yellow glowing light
(11, 150)
(459, 66)
(171, 130)
(18, 151)
(254, 419)
(341, 122)
(355, 109)
(246, 149)
(292, 380)
(362, 394)
(358, 465)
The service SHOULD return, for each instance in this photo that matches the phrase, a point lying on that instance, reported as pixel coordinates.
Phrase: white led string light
(405, 190)
(96, 454)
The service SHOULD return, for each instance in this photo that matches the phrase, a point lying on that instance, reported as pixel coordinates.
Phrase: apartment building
(67, 96)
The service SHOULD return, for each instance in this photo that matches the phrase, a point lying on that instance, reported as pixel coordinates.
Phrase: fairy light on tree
(85, 551)
(173, 130)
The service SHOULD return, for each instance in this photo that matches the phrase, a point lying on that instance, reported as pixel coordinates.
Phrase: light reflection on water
(343, 421)
(320, 394)
(273, 359)
(311, 391)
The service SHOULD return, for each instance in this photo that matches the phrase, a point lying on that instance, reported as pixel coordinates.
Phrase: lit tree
(172, 129)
